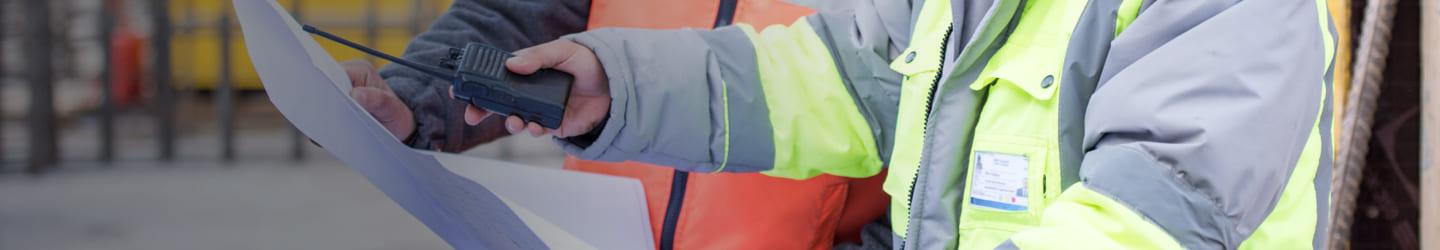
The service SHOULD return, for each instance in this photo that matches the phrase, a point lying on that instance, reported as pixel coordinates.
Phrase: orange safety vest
(736, 210)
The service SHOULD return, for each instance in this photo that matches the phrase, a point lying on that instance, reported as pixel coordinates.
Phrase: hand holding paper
(375, 96)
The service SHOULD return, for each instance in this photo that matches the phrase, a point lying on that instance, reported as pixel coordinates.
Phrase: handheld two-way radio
(480, 78)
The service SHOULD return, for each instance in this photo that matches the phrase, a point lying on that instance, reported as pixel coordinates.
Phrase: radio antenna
(422, 68)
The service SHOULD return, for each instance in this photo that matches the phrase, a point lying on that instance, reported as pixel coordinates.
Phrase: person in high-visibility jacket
(687, 210)
(1104, 124)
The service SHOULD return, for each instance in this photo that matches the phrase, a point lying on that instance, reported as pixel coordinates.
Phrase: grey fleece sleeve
(1206, 112)
(504, 24)
(794, 101)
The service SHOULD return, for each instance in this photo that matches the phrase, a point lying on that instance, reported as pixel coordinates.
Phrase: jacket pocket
(1005, 188)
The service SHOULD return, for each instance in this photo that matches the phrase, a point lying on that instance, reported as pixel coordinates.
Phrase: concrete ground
(263, 200)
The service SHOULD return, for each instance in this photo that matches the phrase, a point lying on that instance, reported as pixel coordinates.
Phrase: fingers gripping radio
(478, 76)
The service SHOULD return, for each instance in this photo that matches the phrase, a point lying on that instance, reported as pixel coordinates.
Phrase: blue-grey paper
(310, 89)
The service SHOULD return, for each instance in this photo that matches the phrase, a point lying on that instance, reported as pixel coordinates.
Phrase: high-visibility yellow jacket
(1007, 123)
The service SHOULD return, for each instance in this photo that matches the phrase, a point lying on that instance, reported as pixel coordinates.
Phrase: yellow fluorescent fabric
(1126, 14)
(1086, 219)
(725, 98)
(817, 128)
(920, 73)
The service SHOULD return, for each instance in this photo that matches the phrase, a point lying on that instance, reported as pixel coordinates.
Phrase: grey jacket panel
(750, 133)
(505, 24)
(666, 84)
(1084, 60)
(1323, 174)
(1220, 97)
(1133, 177)
(662, 96)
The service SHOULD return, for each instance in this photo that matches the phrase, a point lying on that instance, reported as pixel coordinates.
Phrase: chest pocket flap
(1039, 84)
(922, 58)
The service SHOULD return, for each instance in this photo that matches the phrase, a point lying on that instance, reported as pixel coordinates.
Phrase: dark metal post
(107, 102)
(417, 17)
(297, 149)
(164, 92)
(225, 95)
(43, 148)
(3, 19)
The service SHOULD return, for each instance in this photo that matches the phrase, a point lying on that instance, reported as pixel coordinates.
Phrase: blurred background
(139, 124)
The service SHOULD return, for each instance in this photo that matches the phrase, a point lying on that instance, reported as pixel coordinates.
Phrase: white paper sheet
(487, 205)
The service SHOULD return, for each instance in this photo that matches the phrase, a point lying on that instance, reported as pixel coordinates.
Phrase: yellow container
(195, 41)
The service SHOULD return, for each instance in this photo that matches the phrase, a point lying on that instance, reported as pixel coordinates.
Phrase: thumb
(387, 109)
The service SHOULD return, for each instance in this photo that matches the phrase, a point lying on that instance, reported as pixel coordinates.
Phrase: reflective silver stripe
(1322, 174)
(751, 143)
(1155, 191)
(1083, 62)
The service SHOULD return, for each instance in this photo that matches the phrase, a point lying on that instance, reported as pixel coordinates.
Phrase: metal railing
(1369, 69)
(38, 41)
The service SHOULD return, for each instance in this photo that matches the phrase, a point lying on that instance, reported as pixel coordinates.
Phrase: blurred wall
(196, 44)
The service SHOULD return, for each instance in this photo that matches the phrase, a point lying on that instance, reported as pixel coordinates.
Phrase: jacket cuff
(430, 110)
(1132, 176)
(617, 70)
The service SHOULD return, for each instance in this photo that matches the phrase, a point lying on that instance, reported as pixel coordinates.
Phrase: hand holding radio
(556, 88)
(589, 95)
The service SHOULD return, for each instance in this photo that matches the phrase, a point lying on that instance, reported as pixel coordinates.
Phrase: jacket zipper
(672, 211)
(724, 16)
(925, 131)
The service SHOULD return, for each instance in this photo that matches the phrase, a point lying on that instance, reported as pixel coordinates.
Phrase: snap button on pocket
(910, 57)
(1047, 82)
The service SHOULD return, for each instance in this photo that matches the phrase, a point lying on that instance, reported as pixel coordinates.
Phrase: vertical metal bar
(1369, 68)
(297, 149)
(436, 9)
(417, 17)
(224, 93)
(107, 111)
(164, 92)
(4, 16)
(372, 26)
(43, 148)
